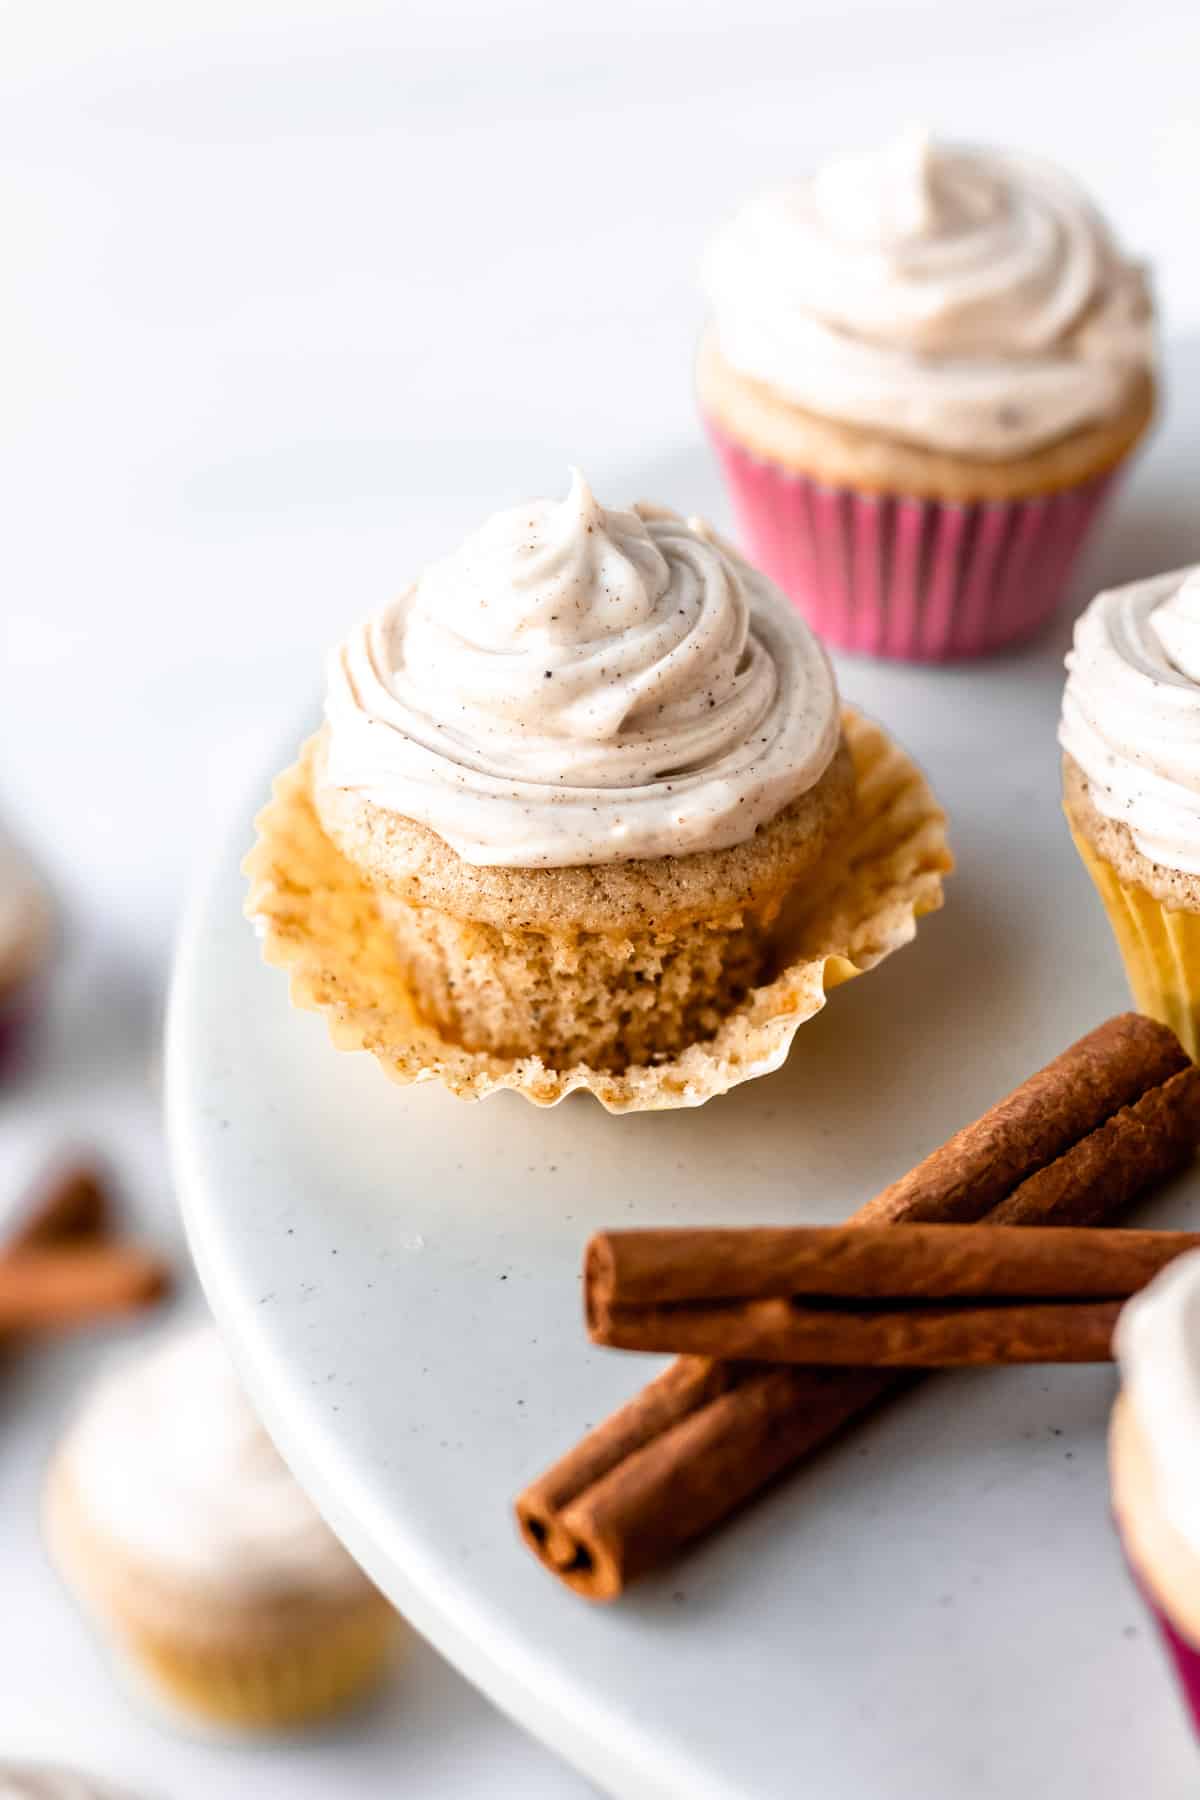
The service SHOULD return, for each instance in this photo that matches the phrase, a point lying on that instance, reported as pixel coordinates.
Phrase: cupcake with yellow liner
(173, 1518)
(1130, 735)
(1154, 1459)
(585, 813)
(923, 367)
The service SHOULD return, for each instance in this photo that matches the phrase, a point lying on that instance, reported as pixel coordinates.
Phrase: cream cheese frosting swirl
(582, 685)
(967, 300)
(1131, 712)
(1158, 1347)
(169, 1461)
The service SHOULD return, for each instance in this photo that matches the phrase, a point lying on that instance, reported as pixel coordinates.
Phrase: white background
(290, 296)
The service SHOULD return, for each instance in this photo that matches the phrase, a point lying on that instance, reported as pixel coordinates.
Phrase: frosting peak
(968, 300)
(597, 630)
(549, 574)
(1131, 712)
(887, 196)
(578, 684)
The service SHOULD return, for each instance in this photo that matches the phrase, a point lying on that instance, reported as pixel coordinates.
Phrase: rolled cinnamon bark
(1143, 1144)
(70, 1201)
(981, 1165)
(629, 1269)
(660, 1471)
(690, 1448)
(49, 1289)
(913, 1337)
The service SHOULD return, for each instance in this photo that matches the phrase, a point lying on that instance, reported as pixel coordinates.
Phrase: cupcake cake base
(320, 920)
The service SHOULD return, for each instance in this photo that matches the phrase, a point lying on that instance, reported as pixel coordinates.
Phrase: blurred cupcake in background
(1154, 1459)
(172, 1516)
(47, 1781)
(1130, 735)
(923, 368)
(26, 944)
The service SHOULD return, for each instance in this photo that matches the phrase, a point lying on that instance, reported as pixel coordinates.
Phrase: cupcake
(1130, 735)
(923, 368)
(1153, 1458)
(172, 1516)
(573, 774)
(26, 938)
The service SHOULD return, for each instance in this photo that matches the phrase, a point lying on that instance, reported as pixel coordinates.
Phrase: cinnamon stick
(913, 1337)
(70, 1201)
(690, 1448)
(1110, 1068)
(630, 1269)
(48, 1289)
(704, 1436)
(1139, 1147)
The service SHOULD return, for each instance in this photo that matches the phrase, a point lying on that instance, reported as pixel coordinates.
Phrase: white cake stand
(934, 1608)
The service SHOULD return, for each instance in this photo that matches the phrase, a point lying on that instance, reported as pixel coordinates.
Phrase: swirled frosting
(580, 685)
(967, 300)
(1131, 712)
(1158, 1347)
(171, 1463)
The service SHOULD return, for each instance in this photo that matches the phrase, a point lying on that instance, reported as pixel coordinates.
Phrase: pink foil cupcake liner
(919, 580)
(1184, 1654)
(19, 1015)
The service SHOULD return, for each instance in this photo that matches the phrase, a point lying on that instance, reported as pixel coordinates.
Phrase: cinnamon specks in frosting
(578, 685)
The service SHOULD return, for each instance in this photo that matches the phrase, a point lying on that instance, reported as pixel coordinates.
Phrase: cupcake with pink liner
(923, 369)
(1154, 1459)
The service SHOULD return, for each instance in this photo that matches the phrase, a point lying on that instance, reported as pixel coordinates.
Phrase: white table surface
(292, 294)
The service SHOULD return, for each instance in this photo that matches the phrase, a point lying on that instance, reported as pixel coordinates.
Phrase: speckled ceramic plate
(937, 1606)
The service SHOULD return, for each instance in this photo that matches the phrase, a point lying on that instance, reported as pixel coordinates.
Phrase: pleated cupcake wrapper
(1159, 945)
(265, 1689)
(319, 920)
(891, 575)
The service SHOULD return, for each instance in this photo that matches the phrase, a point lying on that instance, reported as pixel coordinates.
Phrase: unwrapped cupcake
(923, 367)
(573, 787)
(1154, 1458)
(172, 1516)
(1130, 735)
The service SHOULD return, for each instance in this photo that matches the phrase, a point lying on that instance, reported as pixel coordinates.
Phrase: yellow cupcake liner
(270, 1664)
(319, 920)
(267, 1687)
(1159, 945)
